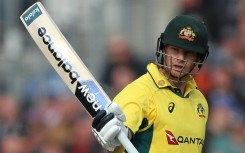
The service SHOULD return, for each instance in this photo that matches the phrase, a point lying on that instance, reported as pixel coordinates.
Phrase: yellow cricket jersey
(162, 119)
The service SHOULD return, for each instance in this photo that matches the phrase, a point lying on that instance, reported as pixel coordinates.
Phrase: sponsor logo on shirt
(171, 106)
(182, 139)
(171, 139)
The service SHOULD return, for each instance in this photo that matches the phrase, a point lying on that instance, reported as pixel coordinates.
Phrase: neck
(179, 85)
(174, 81)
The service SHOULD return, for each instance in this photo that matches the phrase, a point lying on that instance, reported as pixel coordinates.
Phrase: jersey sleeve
(135, 102)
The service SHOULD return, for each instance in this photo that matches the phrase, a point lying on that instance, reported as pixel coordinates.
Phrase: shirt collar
(161, 81)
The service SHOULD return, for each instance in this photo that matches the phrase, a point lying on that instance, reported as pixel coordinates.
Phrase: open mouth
(178, 68)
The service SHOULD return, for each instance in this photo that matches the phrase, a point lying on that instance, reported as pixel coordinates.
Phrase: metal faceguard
(186, 32)
(160, 61)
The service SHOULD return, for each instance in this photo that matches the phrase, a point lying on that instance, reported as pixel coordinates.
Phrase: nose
(181, 55)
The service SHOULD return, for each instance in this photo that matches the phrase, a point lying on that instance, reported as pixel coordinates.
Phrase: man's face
(179, 61)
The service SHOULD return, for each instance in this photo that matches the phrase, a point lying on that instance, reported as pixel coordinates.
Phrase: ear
(199, 60)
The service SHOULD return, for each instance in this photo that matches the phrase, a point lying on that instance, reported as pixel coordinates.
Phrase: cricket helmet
(186, 32)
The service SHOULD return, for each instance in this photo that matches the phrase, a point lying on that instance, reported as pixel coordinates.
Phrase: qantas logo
(182, 139)
(171, 139)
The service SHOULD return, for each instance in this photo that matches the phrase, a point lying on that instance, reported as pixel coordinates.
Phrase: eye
(172, 48)
(191, 54)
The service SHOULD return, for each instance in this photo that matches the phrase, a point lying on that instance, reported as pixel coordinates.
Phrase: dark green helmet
(186, 32)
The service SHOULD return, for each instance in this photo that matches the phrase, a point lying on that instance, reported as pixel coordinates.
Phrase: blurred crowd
(223, 77)
(55, 122)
